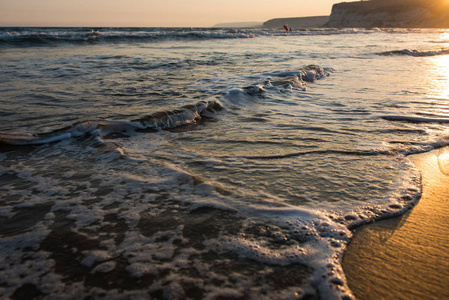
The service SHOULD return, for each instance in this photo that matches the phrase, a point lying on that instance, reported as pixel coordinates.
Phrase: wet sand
(407, 257)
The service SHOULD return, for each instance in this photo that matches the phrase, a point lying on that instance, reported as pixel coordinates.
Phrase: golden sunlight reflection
(437, 85)
(444, 36)
(439, 5)
(443, 160)
(440, 77)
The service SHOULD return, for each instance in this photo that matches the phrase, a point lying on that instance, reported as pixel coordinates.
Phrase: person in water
(287, 28)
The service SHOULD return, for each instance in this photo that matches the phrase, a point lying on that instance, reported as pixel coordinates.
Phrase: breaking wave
(168, 119)
(25, 37)
(163, 120)
(43, 37)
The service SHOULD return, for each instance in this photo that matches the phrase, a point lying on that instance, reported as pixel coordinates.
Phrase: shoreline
(406, 257)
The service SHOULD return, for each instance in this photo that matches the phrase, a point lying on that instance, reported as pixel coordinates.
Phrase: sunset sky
(149, 13)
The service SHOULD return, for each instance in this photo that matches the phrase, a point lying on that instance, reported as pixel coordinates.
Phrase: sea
(207, 163)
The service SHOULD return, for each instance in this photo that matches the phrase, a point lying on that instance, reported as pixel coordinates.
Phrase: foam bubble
(93, 257)
(105, 267)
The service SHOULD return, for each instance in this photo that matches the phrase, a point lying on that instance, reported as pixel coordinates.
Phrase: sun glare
(441, 76)
(443, 4)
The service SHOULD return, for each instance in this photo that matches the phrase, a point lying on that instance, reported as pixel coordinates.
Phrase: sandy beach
(406, 257)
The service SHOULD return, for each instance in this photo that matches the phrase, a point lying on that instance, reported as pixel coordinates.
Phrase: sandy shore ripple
(407, 257)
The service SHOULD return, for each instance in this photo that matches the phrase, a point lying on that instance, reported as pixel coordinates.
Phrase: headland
(367, 14)
(390, 13)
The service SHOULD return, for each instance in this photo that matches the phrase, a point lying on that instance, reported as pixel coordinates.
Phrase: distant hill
(238, 25)
(295, 23)
(390, 13)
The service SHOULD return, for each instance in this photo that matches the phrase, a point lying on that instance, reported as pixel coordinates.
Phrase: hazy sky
(153, 12)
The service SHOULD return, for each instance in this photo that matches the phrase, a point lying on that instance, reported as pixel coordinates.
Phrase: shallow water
(207, 163)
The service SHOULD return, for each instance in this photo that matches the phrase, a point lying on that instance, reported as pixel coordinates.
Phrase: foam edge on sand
(406, 257)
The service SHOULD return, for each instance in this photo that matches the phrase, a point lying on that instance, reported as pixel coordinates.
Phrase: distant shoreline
(278, 23)
(300, 22)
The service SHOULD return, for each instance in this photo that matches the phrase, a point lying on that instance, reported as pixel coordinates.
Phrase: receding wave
(416, 53)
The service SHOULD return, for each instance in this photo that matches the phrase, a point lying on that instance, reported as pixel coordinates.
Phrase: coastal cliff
(382, 13)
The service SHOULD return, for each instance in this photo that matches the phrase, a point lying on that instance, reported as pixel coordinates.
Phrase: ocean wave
(163, 120)
(416, 53)
(296, 78)
(185, 115)
(310, 73)
(170, 119)
(43, 37)
(24, 37)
